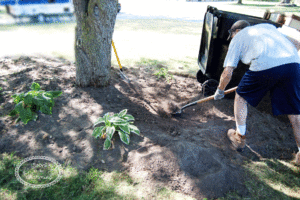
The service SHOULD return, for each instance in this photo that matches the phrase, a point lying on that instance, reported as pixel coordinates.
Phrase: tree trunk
(93, 34)
(239, 2)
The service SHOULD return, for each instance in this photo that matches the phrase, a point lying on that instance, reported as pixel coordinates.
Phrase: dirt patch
(190, 154)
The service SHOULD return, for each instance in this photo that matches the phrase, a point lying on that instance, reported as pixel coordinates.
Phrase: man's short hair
(240, 24)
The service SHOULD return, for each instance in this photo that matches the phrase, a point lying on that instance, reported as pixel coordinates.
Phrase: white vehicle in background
(39, 10)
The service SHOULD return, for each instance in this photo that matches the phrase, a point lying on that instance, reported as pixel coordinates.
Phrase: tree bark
(93, 36)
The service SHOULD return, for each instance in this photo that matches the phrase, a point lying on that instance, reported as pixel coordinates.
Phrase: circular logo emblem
(38, 171)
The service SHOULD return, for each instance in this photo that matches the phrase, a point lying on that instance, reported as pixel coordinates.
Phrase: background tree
(95, 26)
(239, 2)
(285, 1)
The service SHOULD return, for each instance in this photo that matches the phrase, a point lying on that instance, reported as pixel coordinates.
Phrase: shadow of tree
(270, 177)
(189, 154)
(77, 185)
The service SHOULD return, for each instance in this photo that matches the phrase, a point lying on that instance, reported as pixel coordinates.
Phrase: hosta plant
(28, 104)
(122, 123)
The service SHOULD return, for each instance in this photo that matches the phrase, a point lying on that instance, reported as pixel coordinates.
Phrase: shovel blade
(177, 114)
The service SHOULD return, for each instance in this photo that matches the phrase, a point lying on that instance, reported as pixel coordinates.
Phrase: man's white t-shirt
(262, 47)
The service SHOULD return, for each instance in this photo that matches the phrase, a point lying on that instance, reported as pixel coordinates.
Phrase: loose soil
(191, 154)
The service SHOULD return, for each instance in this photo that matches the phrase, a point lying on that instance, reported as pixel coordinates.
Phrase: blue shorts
(283, 82)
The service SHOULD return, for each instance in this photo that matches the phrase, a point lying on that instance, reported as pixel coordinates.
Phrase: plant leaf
(28, 99)
(128, 117)
(124, 137)
(107, 144)
(25, 114)
(106, 118)
(44, 95)
(122, 113)
(33, 93)
(98, 131)
(99, 121)
(18, 97)
(35, 86)
(17, 120)
(122, 123)
(13, 113)
(54, 94)
(125, 129)
(116, 119)
(45, 103)
(31, 102)
(110, 130)
(46, 109)
(134, 129)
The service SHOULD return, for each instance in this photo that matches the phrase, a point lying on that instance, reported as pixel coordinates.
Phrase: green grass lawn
(173, 43)
(268, 179)
(31, 39)
(78, 185)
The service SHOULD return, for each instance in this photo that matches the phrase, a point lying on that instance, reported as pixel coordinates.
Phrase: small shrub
(163, 72)
(28, 104)
(121, 123)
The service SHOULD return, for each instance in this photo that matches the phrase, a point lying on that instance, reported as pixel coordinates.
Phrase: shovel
(178, 114)
(121, 69)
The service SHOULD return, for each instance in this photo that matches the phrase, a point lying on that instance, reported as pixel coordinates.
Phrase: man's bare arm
(225, 77)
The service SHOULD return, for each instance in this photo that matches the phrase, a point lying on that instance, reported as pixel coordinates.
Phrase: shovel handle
(115, 50)
(212, 96)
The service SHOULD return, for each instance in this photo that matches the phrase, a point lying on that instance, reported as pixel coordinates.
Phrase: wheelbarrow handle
(212, 96)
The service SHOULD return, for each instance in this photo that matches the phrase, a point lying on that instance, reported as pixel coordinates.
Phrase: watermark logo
(38, 171)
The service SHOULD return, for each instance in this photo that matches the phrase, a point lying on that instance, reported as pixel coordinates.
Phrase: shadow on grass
(270, 179)
(73, 185)
(288, 175)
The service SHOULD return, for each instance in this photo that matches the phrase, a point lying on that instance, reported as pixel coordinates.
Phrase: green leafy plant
(163, 72)
(111, 123)
(28, 104)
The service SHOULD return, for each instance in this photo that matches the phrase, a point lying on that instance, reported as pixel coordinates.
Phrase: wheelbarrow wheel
(201, 77)
(209, 87)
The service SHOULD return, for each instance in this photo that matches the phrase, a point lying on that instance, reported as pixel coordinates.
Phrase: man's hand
(219, 94)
